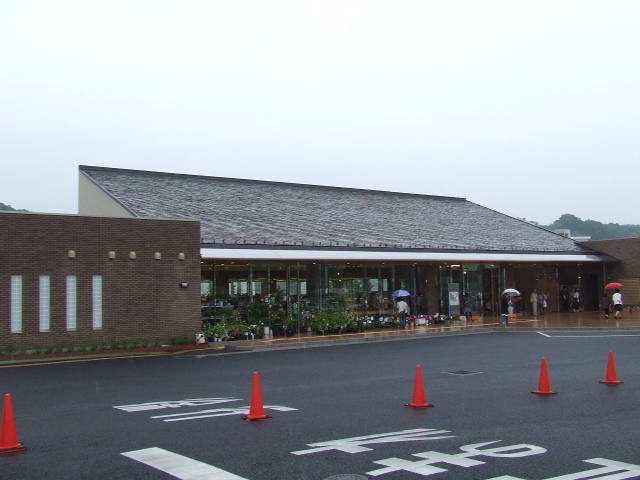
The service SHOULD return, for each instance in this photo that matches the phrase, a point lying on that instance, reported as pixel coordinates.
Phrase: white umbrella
(512, 292)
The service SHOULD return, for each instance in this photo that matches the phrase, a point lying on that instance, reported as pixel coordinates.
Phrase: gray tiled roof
(252, 212)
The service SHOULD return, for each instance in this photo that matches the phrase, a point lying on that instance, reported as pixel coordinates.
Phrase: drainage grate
(463, 372)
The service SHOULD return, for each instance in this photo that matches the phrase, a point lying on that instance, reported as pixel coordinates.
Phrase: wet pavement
(556, 320)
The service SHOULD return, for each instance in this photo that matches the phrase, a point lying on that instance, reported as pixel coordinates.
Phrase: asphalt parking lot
(338, 412)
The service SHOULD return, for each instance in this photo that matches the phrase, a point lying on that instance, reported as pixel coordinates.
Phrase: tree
(596, 230)
(10, 208)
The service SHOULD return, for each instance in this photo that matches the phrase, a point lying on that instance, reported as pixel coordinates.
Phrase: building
(70, 281)
(320, 246)
(565, 232)
(149, 254)
(627, 270)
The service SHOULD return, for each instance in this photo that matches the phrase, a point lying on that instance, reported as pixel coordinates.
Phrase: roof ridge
(85, 168)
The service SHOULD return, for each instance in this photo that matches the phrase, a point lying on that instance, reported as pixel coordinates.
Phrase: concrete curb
(253, 345)
(83, 355)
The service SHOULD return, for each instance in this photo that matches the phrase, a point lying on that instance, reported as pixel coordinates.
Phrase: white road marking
(217, 412)
(425, 467)
(181, 467)
(189, 402)
(587, 336)
(355, 444)
(617, 471)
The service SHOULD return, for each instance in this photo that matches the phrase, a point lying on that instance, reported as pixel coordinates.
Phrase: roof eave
(384, 255)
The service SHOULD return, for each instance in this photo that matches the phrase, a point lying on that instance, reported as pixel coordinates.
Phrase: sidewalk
(558, 321)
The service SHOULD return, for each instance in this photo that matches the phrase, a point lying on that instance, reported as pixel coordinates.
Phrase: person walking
(542, 302)
(616, 298)
(565, 299)
(403, 310)
(575, 300)
(505, 303)
(605, 304)
(534, 302)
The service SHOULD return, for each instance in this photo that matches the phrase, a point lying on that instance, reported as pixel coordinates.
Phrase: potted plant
(306, 318)
(237, 330)
(229, 314)
(342, 321)
(205, 305)
(208, 331)
(332, 320)
(278, 315)
(257, 315)
(220, 331)
(320, 321)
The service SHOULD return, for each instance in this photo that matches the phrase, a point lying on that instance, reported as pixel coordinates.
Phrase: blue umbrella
(400, 293)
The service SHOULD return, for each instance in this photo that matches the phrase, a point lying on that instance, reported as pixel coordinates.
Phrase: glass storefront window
(472, 288)
(278, 279)
(259, 281)
(334, 295)
(385, 300)
(450, 289)
(474, 284)
(298, 290)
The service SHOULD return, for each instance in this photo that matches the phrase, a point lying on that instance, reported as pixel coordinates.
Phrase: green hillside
(596, 230)
(10, 208)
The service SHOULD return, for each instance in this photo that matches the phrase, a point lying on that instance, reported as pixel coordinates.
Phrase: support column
(433, 289)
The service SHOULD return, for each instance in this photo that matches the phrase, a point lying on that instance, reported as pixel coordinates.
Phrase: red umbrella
(611, 286)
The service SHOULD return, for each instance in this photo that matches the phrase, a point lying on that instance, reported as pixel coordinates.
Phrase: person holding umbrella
(505, 303)
(403, 309)
(616, 298)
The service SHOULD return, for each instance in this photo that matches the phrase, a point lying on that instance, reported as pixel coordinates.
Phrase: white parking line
(587, 335)
(181, 467)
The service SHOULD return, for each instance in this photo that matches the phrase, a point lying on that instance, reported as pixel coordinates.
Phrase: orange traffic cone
(8, 433)
(544, 388)
(419, 398)
(256, 411)
(612, 376)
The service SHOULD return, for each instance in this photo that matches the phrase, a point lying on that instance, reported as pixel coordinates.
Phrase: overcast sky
(531, 108)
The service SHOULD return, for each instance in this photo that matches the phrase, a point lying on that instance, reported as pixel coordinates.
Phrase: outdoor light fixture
(72, 254)
(132, 255)
(184, 284)
(181, 256)
(157, 256)
(112, 255)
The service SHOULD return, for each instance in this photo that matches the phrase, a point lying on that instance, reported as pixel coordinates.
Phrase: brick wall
(627, 271)
(142, 298)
